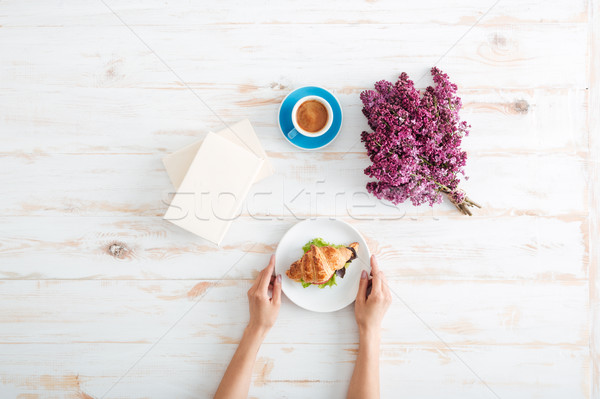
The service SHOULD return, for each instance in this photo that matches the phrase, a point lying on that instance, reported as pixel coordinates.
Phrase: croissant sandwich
(319, 263)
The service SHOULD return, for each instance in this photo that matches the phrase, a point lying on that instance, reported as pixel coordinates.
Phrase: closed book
(213, 190)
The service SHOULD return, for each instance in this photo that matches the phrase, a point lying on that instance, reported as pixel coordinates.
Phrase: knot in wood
(118, 250)
(521, 106)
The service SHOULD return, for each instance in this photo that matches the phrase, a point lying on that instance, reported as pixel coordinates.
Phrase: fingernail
(278, 279)
(364, 274)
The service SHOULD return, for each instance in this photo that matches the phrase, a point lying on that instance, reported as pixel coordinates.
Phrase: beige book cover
(213, 190)
(240, 133)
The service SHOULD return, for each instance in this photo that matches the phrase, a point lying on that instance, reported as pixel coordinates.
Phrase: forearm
(365, 378)
(236, 381)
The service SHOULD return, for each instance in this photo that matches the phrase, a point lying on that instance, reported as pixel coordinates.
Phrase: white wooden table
(99, 297)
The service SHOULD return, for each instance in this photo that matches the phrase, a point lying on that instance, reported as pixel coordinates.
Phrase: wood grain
(194, 370)
(517, 248)
(137, 185)
(140, 311)
(502, 119)
(156, 13)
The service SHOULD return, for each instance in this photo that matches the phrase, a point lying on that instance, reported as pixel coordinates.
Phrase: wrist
(256, 331)
(369, 334)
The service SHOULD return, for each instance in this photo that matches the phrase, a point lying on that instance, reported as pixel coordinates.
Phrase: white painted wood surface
(87, 111)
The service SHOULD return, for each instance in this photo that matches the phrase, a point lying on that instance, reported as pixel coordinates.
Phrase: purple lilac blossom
(415, 143)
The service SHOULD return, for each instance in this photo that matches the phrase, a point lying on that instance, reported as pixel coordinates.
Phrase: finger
(263, 274)
(277, 290)
(377, 278)
(374, 265)
(361, 295)
(257, 279)
(263, 285)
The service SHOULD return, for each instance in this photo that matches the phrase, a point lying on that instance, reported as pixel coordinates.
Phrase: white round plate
(328, 299)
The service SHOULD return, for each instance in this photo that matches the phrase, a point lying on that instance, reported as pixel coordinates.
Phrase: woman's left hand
(264, 310)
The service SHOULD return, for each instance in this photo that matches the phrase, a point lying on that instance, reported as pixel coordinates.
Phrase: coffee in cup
(312, 116)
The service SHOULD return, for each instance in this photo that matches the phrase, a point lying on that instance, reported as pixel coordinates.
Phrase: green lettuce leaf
(305, 285)
(319, 242)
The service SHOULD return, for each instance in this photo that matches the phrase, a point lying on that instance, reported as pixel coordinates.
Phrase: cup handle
(292, 133)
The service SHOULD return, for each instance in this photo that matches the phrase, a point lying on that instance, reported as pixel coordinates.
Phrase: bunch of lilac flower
(415, 143)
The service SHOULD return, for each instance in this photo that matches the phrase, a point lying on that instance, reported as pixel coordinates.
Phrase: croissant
(318, 264)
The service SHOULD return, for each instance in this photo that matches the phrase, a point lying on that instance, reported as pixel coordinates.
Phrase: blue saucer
(285, 118)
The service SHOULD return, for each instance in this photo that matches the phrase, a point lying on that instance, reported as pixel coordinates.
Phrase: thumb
(361, 296)
(277, 290)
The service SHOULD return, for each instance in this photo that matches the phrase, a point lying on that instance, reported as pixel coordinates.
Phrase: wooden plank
(137, 185)
(135, 120)
(193, 370)
(518, 247)
(156, 13)
(491, 313)
(507, 56)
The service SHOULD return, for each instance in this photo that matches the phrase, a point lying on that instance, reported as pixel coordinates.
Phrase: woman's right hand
(370, 309)
(264, 310)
